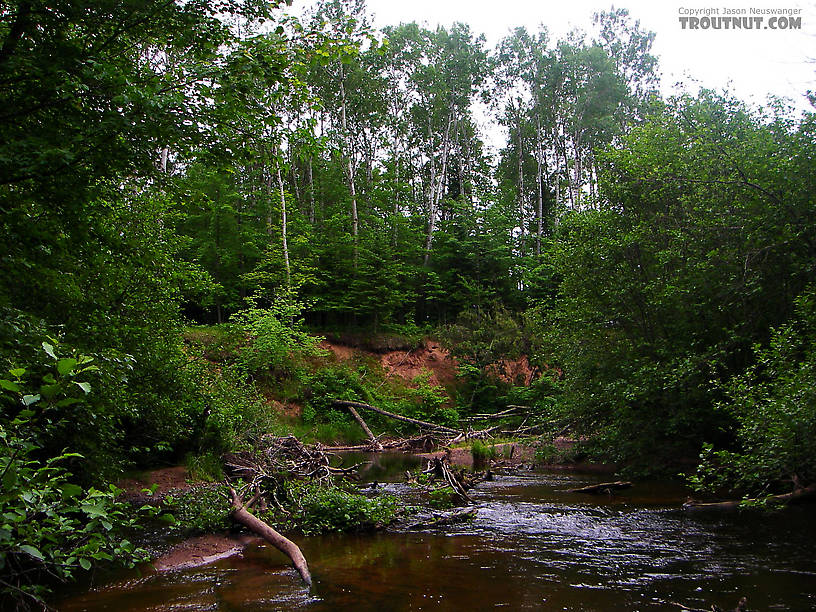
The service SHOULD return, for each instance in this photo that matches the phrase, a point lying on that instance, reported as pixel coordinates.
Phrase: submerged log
(604, 487)
(798, 495)
(283, 544)
(447, 519)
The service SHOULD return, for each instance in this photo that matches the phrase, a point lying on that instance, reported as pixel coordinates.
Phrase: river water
(531, 546)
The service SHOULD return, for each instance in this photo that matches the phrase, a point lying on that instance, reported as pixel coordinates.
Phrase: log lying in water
(286, 546)
(447, 519)
(800, 494)
(604, 487)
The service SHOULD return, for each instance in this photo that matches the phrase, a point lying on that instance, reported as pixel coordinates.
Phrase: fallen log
(375, 443)
(498, 415)
(604, 487)
(396, 417)
(447, 519)
(800, 494)
(241, 515)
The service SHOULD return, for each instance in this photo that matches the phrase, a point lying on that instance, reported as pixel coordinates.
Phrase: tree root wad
(241, 515)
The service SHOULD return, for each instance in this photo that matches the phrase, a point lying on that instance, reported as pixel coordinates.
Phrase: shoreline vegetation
(225, 226)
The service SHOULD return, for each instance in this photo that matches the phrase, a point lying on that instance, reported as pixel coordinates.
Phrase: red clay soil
(288, 409)
(430, 357)
(201, 551)
(341, 351)
(515, 371)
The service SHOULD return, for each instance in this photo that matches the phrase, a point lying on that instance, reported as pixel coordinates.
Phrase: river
(531, 546)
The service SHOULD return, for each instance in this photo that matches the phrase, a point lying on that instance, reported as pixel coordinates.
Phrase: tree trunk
(311, 192)
(350, 171)
(540, 200)
(286, 546)
(520, 193)
(437, 190)
(283, 229)
(374, 441)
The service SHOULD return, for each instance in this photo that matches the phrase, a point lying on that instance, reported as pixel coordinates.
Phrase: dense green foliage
(167, 163)
(314, 509)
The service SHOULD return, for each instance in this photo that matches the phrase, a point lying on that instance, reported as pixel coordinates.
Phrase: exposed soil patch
(515, 371)
(430, 357)
(287, 409)
(202, 550)
(166, 479)
(341, 351)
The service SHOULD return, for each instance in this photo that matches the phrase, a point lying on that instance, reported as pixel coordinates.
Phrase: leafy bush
(481, 452)
(774, 404)
(276, 334)
(203, 509)
(317, 509)
(442, 498)
(329, 384)
(50, 526)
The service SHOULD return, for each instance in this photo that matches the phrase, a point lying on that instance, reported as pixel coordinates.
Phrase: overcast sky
(752, 63)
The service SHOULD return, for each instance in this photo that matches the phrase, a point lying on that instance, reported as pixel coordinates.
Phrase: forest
(194, 194)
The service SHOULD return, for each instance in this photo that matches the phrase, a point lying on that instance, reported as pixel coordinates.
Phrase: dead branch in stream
(439, 467)
(603, 487)
(798, 495)
(457, 516)
(375, 443)
(280, 458)
(241, 515)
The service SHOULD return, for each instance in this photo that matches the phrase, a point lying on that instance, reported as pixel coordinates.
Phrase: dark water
(532, 546)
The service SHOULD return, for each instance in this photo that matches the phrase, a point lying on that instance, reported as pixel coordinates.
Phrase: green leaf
(66, 366)
(94, 510)
(86, 387)
(48, 391)
(68, 401)
(49, 349)
(86, 565)
(31, 399)
(10, 386)
(32, 551)
(70, 490)
(17, 372)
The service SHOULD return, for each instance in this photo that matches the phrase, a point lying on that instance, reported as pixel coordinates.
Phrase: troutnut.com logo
(717, 18)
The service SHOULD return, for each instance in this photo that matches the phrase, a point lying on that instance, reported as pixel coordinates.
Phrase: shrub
(51, 527)
(317, 509)
(203, 509)
(442, 499)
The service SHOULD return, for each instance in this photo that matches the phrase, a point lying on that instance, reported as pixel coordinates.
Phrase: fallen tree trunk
(396, 417)
(604, 487)
(448, 519)
(286, 546)
(801, 494)
(375, 443)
